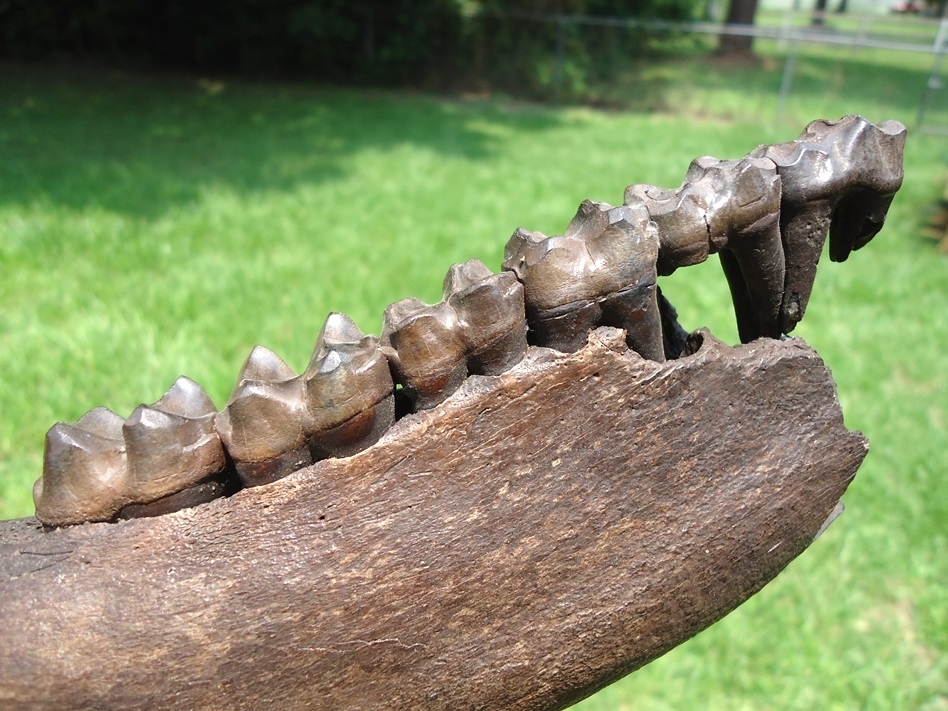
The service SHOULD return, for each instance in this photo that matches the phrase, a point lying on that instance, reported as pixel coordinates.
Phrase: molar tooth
(264, 425)
(490, 309)
(838, 176)
(603, 272)
(170, 450)
(84, 474)
(681, 224)
(349, 390)
(426, 350)
(743, 199)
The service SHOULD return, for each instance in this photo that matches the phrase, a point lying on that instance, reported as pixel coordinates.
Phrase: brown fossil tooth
(743, 217)
(490, 309)
(350, 394)
(836, 176)
(602, 272)
(680, 219)
(425, 347)
(84, 474)
(174, 453)
(264, 425)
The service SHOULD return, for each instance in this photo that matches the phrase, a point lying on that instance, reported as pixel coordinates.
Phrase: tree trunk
(740, 15)
(527, 542)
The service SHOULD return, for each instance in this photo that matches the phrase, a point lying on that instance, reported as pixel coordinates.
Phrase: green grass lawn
(156, 226)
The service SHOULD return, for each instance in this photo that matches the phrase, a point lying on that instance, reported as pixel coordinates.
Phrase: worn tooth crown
(84, 474)
(349, 390)
(839, 177)
(490, 311)
(106, 467)
(426, 350)
(602, 272)
(264, 425)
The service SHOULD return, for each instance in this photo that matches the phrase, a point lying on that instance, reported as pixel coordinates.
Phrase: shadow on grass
(80, 137)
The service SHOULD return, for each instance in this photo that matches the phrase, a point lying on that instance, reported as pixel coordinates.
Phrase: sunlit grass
(150, 227)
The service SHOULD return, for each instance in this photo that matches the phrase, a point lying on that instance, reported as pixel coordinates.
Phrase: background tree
(740, 14)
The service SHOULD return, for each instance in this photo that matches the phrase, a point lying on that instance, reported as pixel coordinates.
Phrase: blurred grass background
(152, 226)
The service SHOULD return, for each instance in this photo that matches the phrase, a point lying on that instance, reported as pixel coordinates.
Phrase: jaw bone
(479, 328)
(164, 457)
(601, 272)
(839, 176)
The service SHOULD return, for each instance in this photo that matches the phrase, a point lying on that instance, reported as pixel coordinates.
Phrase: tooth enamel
(167, 453)
(349, 390)
(84, 474)
(837, 176)
(424, 345)
(187, 399)
(602, 272)
(490, 310)
(264, 425)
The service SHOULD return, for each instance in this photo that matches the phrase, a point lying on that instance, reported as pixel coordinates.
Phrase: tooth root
(264, 425)
(84, 476)
(490, 309)
(349, 390)
(850, 166)
(743, 225)
(424, 345)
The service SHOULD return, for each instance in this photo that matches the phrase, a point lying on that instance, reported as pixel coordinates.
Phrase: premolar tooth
(103, 422)
(490, 309)
(264, 425)
(426, 350)
(169, 453)
(839, 176)
(84, 473)
(349, 390)
(602, 272)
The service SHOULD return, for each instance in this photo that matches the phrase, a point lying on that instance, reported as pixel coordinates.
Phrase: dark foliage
(520, 46)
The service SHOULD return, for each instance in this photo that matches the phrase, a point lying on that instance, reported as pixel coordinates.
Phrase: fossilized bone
(350, 414)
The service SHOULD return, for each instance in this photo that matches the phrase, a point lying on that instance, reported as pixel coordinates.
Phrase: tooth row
(766, 215)
(477, 329)
(164, 456)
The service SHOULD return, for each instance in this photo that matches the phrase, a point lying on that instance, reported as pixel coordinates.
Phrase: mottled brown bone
(533, 538)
